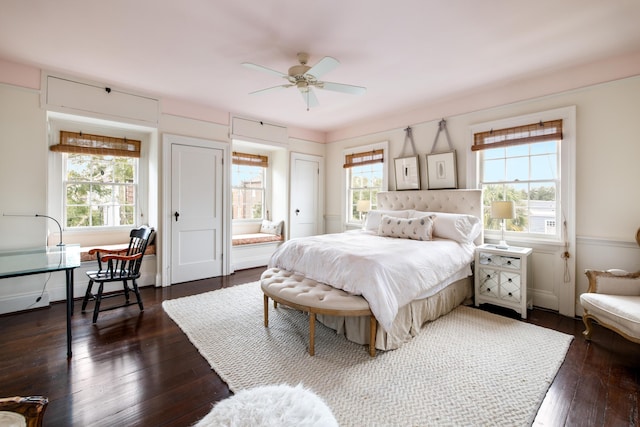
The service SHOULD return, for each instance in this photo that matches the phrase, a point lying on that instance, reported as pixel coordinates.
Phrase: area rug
(469, 367)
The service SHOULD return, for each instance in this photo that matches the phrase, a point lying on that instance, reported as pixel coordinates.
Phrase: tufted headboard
(455, 201)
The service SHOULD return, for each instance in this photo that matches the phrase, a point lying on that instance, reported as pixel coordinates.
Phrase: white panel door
(306, 195)
(196, 206)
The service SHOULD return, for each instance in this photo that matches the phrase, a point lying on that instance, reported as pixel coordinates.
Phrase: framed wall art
(441, 170)
(407, 173)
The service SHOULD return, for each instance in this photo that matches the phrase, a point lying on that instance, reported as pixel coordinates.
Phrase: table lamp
(503, 210)
(363, 206)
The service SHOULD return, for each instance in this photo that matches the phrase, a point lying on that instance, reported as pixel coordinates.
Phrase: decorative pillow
(407, 228)
(271, 227)
(459, 227)
(374, 217)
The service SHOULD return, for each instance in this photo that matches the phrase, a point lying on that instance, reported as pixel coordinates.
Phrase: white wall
(23, 168)
(607, 150)
(607, 153)
(24, 165)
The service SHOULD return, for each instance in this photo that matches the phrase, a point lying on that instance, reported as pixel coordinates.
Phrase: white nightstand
(502, 277)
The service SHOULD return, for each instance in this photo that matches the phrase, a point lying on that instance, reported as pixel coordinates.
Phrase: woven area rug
(469, 367)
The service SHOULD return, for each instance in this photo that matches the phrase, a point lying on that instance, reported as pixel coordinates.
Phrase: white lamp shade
(503, 210)
(363, 206)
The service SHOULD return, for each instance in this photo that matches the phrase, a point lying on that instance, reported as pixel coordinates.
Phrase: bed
(412, 262)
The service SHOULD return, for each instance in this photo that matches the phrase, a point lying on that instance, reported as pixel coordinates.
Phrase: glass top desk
(24, 262)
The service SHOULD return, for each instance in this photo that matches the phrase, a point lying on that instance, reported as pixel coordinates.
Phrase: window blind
(535, 132)
(249, 159)
(83, 143)
(361, 159)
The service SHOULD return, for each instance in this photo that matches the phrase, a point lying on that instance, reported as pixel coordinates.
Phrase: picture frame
(407, 173)
(441, 170)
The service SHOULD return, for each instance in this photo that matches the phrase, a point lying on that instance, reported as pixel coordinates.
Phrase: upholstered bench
(312, 297)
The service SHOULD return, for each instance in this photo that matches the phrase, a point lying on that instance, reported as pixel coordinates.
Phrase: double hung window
(523, 164)
(365, 176)
(100, 180)
(248, 182)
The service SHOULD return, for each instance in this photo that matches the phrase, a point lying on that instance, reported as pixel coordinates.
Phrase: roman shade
(249, 159)
(361, 159)
(518, 135)
(83, 143)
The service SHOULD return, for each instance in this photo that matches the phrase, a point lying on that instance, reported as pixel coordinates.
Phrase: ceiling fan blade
(269, 89)
(264, 69)
(309, 97)
(323, 66)
(340, 87)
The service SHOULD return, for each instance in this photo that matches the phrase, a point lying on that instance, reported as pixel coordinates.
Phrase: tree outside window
(528, 175)
(248, 191)
(364, 184)
(100, 191)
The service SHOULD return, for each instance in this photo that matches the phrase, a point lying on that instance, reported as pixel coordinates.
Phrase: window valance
(246, 159)
(361, 159)
(83, 143)
(535, 132)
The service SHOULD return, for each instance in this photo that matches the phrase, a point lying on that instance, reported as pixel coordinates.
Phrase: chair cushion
(620, 312)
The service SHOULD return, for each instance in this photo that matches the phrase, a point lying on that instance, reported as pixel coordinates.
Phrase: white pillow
(459, 227)
(374, 217)
(270, 227)
(407, 228)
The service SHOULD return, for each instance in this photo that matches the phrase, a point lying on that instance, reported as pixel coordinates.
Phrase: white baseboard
(17, 303)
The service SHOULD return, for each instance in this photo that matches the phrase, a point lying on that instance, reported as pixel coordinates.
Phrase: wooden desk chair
(118, 266)
(26, 411)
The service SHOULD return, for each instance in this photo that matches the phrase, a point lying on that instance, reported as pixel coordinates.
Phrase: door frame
(165, 240)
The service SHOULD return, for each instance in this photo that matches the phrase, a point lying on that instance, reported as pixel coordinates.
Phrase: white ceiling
(408, 53)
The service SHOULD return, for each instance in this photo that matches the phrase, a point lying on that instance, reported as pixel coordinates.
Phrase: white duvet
(388, 272)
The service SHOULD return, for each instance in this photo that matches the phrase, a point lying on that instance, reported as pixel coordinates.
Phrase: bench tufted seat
(312, 297)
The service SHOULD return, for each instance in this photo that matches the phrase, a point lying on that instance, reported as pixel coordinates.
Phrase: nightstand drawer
(499, 261)
(489, 282)
(499, 284)
(510, 286)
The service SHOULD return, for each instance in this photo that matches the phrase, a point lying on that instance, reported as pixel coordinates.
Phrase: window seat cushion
(85, 257)
(254, 238)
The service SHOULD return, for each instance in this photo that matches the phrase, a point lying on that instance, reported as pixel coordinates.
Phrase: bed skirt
(410, 319)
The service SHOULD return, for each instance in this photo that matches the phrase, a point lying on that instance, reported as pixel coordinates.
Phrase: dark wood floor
(139, 369)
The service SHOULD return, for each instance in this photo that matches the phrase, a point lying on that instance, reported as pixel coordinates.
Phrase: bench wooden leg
(373, 323)
(266, 311)
(312, 333)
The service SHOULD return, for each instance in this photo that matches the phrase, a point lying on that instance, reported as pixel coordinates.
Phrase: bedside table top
(509, 250)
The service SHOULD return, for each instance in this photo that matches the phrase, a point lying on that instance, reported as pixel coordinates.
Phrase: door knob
(297, 211)
(177, 214)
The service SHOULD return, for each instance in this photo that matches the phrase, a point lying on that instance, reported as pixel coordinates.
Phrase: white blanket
(388, 272)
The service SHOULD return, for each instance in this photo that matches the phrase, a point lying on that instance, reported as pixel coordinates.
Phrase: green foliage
(521, 197)
(98, 188)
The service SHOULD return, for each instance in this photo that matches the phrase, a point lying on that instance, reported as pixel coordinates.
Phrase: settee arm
(613, 282)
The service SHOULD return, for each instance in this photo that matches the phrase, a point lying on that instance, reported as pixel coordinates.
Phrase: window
(248, 177)
(100, 191)
(100, 180)
(365, 177)
(522, 164)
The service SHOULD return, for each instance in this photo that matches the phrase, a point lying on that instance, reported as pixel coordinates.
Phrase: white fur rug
(469, 367)
(271, 406)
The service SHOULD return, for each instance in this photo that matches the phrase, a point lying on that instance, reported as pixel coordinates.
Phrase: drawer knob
(489, 259)
(488, 289)
(510, 294)
(509, 262)
(488, 276)
(510, 280)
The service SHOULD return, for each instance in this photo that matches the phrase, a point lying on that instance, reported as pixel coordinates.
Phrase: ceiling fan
(305, 78)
